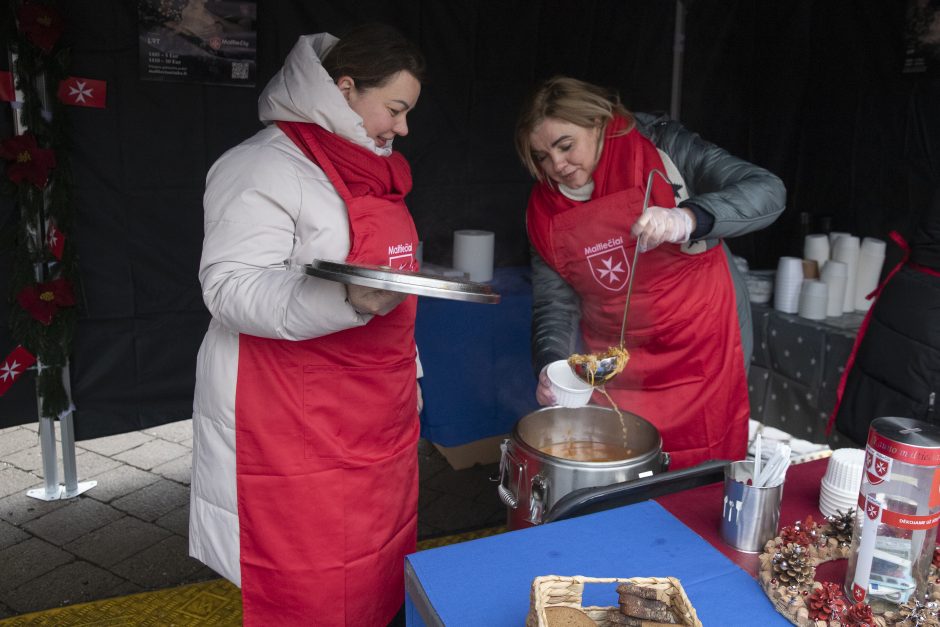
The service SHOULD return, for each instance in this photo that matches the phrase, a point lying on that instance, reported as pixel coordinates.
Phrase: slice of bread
(563, 616)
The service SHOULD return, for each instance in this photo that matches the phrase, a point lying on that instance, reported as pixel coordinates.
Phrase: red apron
(686, 368)
(326, 434)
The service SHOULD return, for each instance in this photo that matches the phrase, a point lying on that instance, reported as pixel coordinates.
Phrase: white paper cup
(569, 390)
(834, 275)
(845, 250)
(844, 472)
(814, 296)
(871, 258)
(816, 248)
(787, 284)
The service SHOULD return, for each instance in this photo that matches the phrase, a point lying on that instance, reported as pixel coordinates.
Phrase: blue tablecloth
(487, 581)
(478, 377)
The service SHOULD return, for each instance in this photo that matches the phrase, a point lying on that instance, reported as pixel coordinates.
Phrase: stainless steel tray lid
(402, 281)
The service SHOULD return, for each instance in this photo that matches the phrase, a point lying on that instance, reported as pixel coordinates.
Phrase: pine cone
(914, 613)
(792, 565)
(842, 524)
(803, 533)
(859, 615)
(826, 602)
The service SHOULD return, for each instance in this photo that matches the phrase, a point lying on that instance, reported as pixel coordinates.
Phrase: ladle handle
(636, 250)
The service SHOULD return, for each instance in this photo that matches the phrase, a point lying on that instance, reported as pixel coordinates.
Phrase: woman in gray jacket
(688, 332)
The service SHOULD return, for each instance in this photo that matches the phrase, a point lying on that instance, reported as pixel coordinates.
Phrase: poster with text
(922, 37)
(198, 41)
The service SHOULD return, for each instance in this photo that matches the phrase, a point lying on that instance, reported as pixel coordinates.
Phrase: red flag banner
(55, 239)
(14, 366)
(7, 93)
(83, 92)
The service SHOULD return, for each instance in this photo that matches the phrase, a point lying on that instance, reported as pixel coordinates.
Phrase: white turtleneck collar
(579, 194)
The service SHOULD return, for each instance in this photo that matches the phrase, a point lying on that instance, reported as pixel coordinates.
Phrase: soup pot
(556, 450)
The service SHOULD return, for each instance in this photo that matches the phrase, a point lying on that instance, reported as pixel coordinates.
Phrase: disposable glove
(659, 224)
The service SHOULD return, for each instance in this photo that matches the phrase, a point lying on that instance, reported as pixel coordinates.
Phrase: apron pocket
(358, 413)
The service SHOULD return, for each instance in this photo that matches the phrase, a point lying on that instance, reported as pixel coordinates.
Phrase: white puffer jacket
(268, 211)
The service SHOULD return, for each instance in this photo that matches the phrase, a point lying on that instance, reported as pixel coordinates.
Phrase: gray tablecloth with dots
(796, 368)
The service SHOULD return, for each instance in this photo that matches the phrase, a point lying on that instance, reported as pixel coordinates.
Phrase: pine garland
(33, 263)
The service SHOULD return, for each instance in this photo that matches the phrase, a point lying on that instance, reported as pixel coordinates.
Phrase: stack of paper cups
(834, 275)
(845, 249)
(816, 248)
(871, 257)
(834, 235)
(473, 253)
(813, 298)
(787, 284)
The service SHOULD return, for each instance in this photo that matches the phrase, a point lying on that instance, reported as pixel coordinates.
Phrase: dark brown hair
(371, 54)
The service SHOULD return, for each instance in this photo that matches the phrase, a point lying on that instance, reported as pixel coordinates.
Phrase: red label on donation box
(935, 490)
(897, 519)
(916, 455)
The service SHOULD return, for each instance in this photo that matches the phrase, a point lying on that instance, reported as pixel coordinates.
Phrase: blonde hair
(570, 100)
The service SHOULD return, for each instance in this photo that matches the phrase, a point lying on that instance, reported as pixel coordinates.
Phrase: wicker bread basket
(555, 590)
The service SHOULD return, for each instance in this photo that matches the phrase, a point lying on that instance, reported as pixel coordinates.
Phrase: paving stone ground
(129, 533)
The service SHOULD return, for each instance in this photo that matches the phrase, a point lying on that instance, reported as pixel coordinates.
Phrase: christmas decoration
(859, 614)
(808, 603)
(841, 525)
(83, 92)
(27, 161)
(42, 318)
(917, 614)
(793, 566)
(827, 602)
(14, 366)
(43, 300)
(41, 24)
(802, 533)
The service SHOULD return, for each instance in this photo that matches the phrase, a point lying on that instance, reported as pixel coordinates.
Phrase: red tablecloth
(700, 510)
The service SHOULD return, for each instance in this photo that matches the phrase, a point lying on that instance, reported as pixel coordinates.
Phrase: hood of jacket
(303, 91)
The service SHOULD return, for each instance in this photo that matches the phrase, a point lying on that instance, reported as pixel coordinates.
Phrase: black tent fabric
(812, 91)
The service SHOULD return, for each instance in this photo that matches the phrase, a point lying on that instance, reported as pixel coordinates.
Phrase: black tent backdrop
(813, 91)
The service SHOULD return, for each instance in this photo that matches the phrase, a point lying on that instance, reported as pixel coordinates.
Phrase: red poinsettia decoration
(826, 602)
(41, 24)
(801, 532)
(936, 557)
(43, 300)
(27, 160)
(859, 615)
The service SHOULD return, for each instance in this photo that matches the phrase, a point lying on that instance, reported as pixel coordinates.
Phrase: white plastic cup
(787, 284)
(845, 250)
(816, 248)
(569, 390)
(834, 275)
(814, 296)
(871, 259)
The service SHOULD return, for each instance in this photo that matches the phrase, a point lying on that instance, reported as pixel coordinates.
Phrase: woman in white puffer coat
(304, 488)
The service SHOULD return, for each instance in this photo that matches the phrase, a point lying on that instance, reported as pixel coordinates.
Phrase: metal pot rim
(652, 453)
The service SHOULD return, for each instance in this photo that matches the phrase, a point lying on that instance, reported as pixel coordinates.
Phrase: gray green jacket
(740, 196)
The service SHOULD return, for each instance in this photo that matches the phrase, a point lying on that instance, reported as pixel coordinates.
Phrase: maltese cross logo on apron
(610, 268)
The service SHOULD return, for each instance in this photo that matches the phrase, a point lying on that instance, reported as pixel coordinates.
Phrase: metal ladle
(609, 366)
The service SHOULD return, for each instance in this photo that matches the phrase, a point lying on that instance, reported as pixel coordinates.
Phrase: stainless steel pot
(531, 480)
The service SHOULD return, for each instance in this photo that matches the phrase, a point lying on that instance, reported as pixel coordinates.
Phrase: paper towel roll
(845, 249)
(871, 258)
(473, 253)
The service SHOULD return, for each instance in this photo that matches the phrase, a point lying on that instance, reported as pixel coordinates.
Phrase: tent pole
(678, 50)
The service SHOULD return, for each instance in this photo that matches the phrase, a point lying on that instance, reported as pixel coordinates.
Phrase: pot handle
(508, 463)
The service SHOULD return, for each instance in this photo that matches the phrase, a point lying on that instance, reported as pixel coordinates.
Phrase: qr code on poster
(240, 70)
